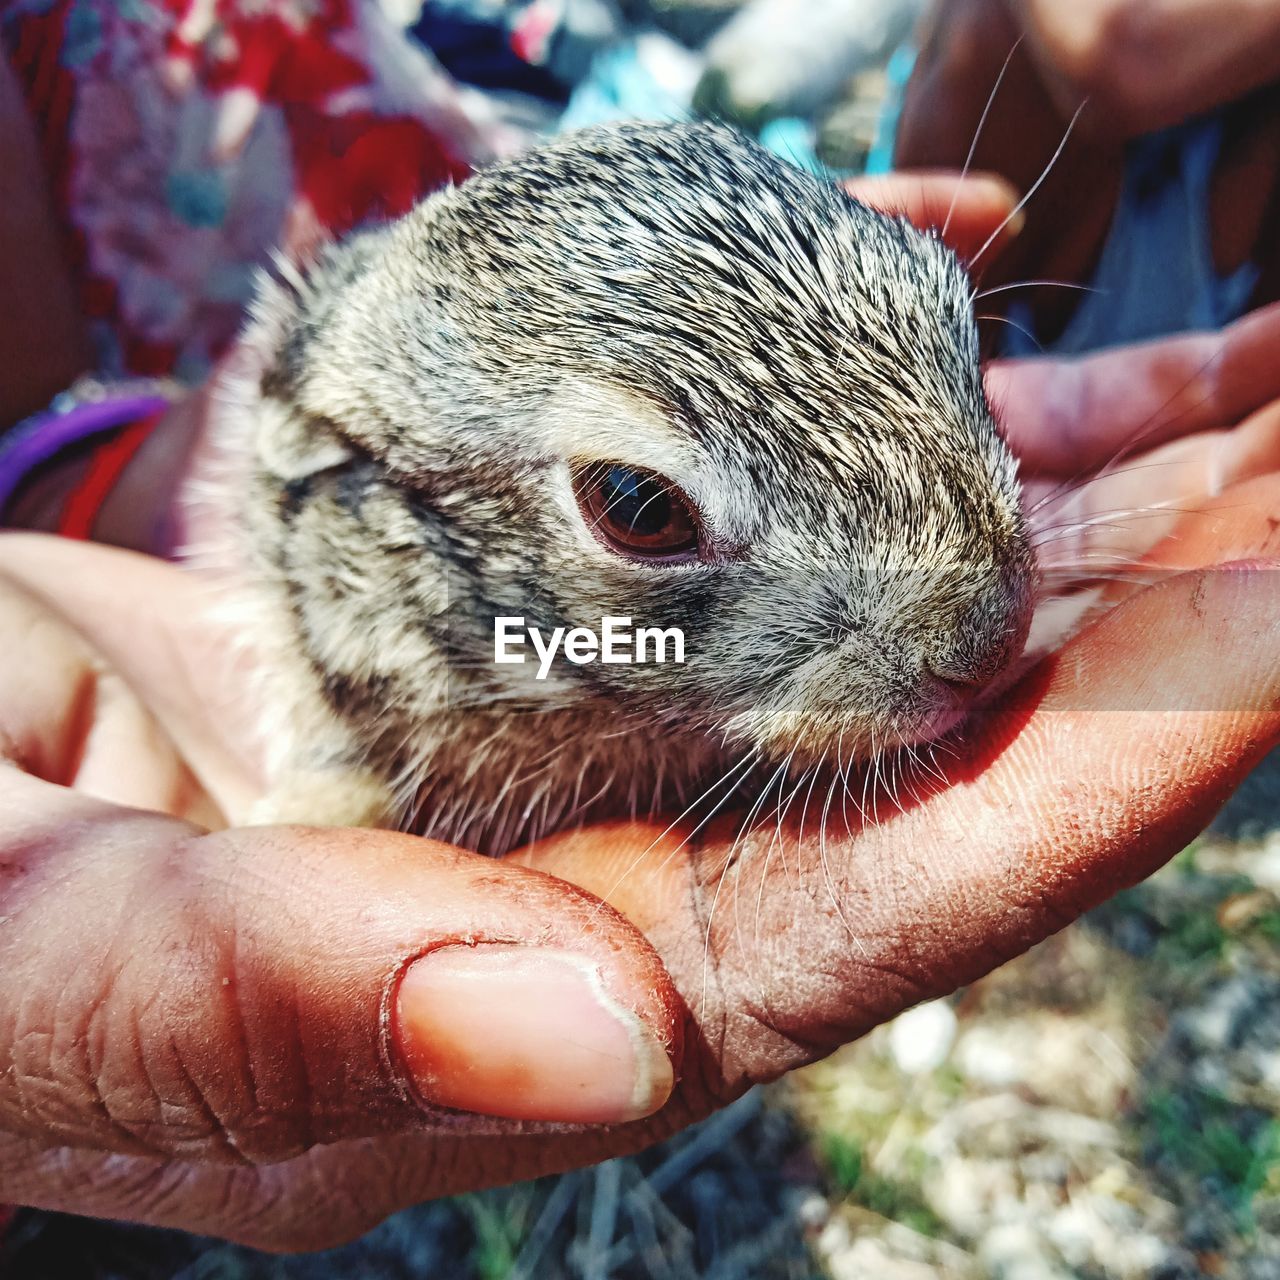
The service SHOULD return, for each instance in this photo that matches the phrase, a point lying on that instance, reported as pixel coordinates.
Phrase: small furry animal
(645, 371)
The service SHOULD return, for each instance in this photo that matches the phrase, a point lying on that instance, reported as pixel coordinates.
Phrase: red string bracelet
(106, 465)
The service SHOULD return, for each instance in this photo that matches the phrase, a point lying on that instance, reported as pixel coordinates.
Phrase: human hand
(1147, 66)
(1048, 95)
(1141, 66)
(221, 1040)
(1121, 452)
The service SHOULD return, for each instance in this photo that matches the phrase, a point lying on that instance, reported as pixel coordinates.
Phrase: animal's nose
(965, 682)
(988, 637)
(970, 671)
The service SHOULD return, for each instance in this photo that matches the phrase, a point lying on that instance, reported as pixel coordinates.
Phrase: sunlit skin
(251, 974)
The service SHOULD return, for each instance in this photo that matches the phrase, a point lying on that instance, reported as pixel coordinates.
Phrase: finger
(1102, 764)
(161, 633)
(1240, 524)
(971, 209)
(328, 1196)
(1110, 524)
(245, 995)
(1068, 416)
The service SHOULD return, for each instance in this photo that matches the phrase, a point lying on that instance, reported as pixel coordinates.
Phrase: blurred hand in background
(1137, 67)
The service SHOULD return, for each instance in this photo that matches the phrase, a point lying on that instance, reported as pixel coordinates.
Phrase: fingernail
(526, 1033)
(1002, 192)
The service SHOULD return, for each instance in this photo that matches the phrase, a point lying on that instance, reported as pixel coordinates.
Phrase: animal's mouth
(949, 693)
(945, 710)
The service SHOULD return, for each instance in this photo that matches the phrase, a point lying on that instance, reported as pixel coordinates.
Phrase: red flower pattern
(187, 139)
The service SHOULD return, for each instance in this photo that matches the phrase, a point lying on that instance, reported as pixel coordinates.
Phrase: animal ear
(290, 442)
(293, 445)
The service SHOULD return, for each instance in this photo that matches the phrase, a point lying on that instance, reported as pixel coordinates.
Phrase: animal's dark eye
(637, 513)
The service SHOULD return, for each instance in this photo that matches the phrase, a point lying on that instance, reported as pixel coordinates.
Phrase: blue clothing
(1156, 275)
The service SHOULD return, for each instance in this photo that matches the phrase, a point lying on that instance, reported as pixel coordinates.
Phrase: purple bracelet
(40, 438)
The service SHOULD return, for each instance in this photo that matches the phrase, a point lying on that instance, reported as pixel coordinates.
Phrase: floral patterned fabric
(187, 139)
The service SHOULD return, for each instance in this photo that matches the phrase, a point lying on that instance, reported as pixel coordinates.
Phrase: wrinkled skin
(192, 1018)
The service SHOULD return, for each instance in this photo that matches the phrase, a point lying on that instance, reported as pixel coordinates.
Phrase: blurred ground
(1105, 1106)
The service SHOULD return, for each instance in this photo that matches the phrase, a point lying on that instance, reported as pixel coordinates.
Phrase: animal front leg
(336, 795)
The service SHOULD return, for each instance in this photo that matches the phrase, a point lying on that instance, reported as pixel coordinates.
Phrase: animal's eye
(637, 513)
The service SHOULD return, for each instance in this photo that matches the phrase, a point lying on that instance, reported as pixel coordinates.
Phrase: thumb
(254, 992)
(248, 994)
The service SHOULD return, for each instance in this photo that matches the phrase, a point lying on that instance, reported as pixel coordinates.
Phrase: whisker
(1035, 186)
(775, 778)
(739, 842)
(1013, 324)
(742, 768)
(1034, 284)
(977, 134)
(1154, 423)
(827, 877)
